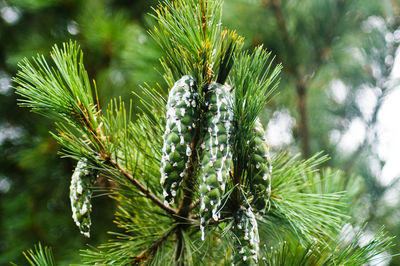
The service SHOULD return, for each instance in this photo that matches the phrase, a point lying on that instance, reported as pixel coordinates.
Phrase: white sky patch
(389, 60)
(392, 196)
(10, 15)
(376, 70)
(279, 129)
(334, 136)
(395, 74)
(116, 76)
(374, 22)
(379, 260)
(73, 27)
(9, 132)
(353, 137)
(5, 83)
(366, 100)
(348, 233)
(389, 136)
(382, 259)
(374, 165)
(339, 91)
(388, 126)
(142, 38)
(5, 184)
(396, 35)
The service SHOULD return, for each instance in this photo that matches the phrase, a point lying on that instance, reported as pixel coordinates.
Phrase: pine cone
(261, 169)
(181, 116)
(216, 160)
(246, 238)
(80, 196)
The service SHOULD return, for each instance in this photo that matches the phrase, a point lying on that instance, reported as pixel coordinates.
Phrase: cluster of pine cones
(216, 120)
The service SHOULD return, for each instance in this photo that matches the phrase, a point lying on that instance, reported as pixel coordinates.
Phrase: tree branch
(152, 250)
(194, 204)
(142, 188)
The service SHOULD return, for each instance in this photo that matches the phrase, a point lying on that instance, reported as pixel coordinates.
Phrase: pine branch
(65, 93)
(307, 211)
(40, 256)
(345, 249)
(255, 79)
(194, 42)
(142, 188)
(146, 255)
(144, 231)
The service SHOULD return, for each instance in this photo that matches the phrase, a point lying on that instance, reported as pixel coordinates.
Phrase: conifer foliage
(193, 174)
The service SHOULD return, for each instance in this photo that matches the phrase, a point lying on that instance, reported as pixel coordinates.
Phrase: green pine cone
(80, 196)
(181, 116)
(216, 161)
(246, 238)
(260, 162)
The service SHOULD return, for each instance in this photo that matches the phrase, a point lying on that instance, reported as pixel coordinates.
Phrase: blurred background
(339, 93)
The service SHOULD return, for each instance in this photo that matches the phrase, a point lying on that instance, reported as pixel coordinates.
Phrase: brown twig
(153, 248)
(194, 204)
(142, 188)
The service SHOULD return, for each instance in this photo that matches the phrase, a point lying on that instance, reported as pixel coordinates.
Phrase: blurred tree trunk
(301, 91)
(301, 88)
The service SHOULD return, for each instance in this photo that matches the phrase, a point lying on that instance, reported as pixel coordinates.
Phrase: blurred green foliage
(334, 52)
(34, 181)
(321, 43)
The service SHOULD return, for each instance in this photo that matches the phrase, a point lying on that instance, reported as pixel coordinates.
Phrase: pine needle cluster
(304, 211)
